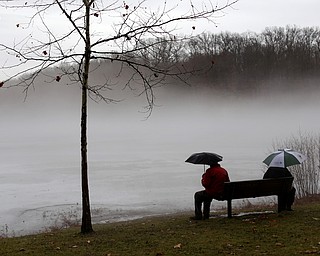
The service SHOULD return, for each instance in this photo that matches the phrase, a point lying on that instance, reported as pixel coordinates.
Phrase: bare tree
(307, 175)
(92, 30)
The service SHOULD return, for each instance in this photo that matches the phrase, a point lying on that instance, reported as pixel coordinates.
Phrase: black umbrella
(204, 158)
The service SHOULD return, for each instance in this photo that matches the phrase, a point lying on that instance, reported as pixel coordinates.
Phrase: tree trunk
(86, 226)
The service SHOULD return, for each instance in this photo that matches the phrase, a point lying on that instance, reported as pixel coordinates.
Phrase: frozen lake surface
(136, 168)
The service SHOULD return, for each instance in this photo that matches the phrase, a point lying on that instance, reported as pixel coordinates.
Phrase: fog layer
(136, 166)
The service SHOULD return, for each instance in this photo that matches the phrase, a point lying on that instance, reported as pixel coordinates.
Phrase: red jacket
(213, 180)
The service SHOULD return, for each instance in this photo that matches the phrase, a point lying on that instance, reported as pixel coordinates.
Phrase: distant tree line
(240, 61)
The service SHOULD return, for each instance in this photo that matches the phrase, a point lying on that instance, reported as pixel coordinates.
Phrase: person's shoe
(195, 218)
(289, 209)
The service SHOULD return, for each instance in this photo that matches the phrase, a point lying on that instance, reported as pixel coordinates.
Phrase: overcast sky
(246, 15)
(255, 15)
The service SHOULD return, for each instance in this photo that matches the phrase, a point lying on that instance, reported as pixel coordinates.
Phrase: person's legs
(199, 198)
(290, 198)
(206, 207)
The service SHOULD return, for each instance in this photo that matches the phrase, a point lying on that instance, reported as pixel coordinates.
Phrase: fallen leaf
(177, 246)
(1, 84)
(311, 252)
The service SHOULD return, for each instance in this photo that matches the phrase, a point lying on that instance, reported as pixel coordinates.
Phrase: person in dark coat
(279, 172)
(213, 182)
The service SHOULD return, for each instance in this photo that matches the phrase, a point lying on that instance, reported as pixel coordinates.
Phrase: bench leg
(229, 209)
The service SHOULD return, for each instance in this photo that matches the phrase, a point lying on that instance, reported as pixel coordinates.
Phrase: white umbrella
(284, 158)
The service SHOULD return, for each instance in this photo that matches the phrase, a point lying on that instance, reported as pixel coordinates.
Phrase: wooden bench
(256, 188)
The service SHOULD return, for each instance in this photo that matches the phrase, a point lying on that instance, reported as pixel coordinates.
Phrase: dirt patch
(308, 199)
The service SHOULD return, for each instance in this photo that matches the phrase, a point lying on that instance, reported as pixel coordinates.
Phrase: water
(136, 167)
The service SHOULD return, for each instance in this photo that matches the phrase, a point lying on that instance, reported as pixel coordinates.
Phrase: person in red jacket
(213, 182)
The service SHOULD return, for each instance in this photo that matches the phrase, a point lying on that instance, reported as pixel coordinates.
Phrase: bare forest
(247, 61)
(235, 63)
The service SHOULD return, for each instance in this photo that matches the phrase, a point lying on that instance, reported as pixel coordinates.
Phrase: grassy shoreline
(287, 233)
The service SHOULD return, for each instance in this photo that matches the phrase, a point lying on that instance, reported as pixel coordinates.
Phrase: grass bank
(287, 233)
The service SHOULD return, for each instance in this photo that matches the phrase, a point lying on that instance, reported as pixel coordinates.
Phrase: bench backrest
(256, 188)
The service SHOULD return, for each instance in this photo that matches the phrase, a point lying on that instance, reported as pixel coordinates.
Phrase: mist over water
(136, 166)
